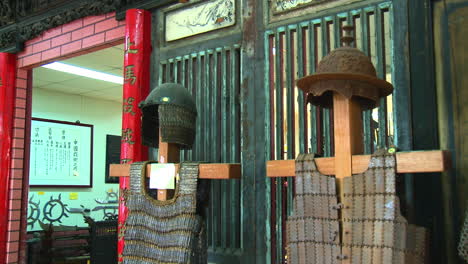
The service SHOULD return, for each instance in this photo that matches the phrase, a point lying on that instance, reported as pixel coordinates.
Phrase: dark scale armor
(463, 244)
(373, 230)
(177, 124)
(164, 231)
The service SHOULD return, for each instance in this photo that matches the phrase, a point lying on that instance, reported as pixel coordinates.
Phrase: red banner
(7, 108)
(135, 89)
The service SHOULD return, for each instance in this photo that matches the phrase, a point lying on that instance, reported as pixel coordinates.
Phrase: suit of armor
(164, 231)
(371, 229)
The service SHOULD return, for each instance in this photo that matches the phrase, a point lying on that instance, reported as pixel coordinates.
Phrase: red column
(7, 108)
(135, 89)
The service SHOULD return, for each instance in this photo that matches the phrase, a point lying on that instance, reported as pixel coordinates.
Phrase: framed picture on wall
(61, 154)
(112, 155)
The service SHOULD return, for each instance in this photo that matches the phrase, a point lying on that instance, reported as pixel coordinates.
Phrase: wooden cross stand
(348, 71)
(341, 77)
(349, 146)
(348, 158)
(169, 153)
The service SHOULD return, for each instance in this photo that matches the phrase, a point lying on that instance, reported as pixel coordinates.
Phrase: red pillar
(7, 108)
(135, 89)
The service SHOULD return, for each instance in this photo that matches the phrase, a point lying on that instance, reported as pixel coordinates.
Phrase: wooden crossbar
(214, 171)
(407, 162)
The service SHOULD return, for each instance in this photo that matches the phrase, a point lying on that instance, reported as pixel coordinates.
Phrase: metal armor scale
(463, 244)
(164, 231)
(375, 230)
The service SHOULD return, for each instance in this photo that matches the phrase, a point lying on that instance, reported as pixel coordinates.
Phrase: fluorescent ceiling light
(59, 66)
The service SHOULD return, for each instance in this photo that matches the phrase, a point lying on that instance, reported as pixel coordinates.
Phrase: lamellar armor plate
(313, 230)
(164, 231)
(463, 244)
(372, 229)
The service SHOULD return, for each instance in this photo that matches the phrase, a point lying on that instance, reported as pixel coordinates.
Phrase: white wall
(106, 118)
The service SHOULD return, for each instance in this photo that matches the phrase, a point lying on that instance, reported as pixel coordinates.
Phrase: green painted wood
(300, 95)
(224, 106)
(312, 64)
(191, 87)
(269, 152)
(367, 115)
(181, 71)
(234, 117)
(253, 131)
(181, 79)
(214, 149)
(279, 142)
(402, 92)
(278, 97)
(220, 120)
(349, 19)
(447, 98)
(424, 103)
(214, 108)
(161, 73)
(290, 115)
(168, 72)
(337, 30)
(176, 71)
(326, 112)
(380, 69)
(290, 95)
(236, 153)
(199, 99)
(429, 196)
(206, 155)
(231, 215)
(206, 76)
(224, 155)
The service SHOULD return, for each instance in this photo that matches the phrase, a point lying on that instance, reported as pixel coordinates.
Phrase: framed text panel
(199, 18)
(61, 154)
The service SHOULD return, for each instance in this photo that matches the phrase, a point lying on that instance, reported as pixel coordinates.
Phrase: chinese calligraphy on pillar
(128, 106)
(127, 135)
(135, 89)
(129, 75)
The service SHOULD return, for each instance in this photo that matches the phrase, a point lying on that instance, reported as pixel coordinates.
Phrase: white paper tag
(162, 176)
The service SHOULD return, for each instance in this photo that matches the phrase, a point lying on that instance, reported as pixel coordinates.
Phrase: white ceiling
(109, 60)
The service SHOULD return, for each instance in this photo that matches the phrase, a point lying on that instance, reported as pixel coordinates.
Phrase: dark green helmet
(169, 108)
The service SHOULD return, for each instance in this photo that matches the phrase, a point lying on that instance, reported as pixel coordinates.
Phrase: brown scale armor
(372, 229)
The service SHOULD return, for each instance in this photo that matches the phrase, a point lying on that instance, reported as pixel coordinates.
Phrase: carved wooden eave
(26, 19)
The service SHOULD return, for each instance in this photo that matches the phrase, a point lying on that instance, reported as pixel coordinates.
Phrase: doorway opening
(75, 135)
